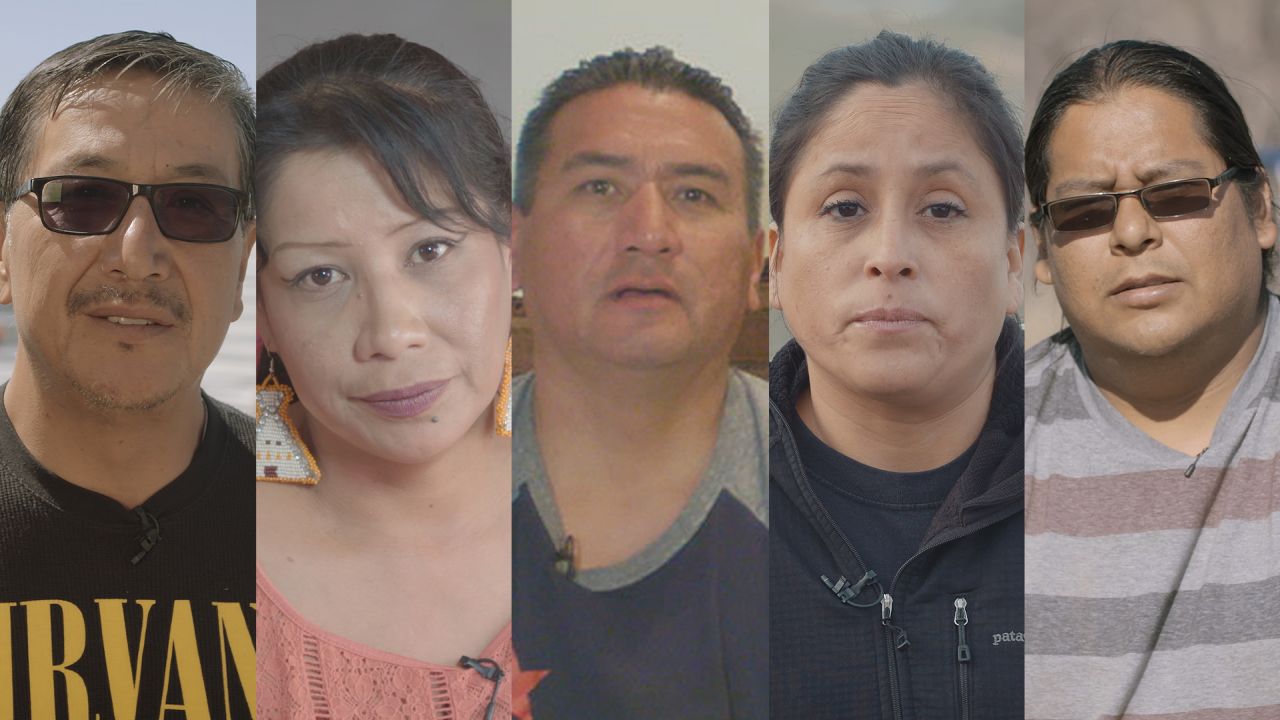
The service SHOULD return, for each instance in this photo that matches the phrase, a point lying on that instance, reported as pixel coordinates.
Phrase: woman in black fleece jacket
(896, 415)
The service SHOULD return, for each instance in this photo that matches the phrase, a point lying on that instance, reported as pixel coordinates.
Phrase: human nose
(646, 223)
(391, 324)
(136, 249)
(889, 253)
(1133, 229)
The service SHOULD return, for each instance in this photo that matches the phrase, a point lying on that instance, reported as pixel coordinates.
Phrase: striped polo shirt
(1153, 586)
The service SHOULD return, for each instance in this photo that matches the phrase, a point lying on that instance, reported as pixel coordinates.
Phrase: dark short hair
(181, 68)
(406, 106)
(1133, 63)
(893, 60)
(655, 69)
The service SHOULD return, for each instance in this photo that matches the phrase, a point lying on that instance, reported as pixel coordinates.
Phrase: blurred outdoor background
(801, 31)
(1238, 38)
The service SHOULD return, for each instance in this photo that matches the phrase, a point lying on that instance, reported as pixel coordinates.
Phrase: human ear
(250, 237)
(775, 263)
(517, 222)
(6, 289)
(1013, 254)
(1043, 271)
(1265, 218)
(753, 287)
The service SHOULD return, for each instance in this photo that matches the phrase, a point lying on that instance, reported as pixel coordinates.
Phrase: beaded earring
(502, 408)
(282, 456)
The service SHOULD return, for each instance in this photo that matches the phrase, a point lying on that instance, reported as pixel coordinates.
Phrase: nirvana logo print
(1001, 638)
(120, 659)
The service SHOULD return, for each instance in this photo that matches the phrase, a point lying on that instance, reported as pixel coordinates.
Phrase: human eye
(430, 251)
(695, 195)
(189, 200)
(843, 209)
(87, 190)
(598, 186)
(945, 210)
(318, 278)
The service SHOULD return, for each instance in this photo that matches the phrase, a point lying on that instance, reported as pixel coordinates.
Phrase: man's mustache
(110, 294)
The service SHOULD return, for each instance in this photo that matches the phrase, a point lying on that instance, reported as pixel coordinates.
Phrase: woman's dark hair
(1106, 70)
(408, 107)
(893, 60)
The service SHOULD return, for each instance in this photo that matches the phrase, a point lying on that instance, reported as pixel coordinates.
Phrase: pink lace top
(305, 672)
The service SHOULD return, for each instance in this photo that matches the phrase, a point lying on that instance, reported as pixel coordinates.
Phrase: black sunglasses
(1163, 201)
(80, 205)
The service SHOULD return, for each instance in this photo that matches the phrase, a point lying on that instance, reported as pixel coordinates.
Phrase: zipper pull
(886, 614)
(962, 619)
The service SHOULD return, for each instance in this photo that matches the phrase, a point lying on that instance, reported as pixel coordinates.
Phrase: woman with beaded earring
(384, 516)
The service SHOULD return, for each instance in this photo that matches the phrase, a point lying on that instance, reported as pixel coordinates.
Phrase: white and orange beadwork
(502, 408)
(282, 456)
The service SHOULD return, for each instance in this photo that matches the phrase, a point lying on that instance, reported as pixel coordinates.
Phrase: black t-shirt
(678, 630)
(88, 633)
(884, 514)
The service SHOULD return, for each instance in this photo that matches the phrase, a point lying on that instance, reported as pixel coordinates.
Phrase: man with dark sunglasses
(1153, 420)
(126, 499)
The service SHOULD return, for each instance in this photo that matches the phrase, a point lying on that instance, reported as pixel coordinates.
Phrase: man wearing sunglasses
(126, 505)
(1153, 420)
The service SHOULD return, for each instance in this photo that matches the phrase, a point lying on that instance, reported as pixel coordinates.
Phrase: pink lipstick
(405, 402)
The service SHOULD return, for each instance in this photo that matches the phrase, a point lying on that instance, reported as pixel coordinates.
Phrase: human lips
(405, 402)
(890, 319)
(132, 315)
(643, 288)
(1146, 291)
(1144, 281)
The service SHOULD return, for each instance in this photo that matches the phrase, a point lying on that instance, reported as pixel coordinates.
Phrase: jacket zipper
(895, 637)
(962, 654)
(895, 640)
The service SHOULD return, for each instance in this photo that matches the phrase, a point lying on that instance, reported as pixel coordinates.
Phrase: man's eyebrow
(702, 170)
(96, 161)
(85, 161)
(201, 171)
(595, 159)
(1167, 170)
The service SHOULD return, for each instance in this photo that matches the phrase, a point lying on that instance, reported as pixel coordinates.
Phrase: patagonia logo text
(998, 638)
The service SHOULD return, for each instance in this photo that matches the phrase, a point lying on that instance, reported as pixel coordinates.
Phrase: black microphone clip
(150, 533)
(566, 562)
(489, 670)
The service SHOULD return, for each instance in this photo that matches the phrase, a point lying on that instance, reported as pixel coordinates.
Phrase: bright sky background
(32, 31)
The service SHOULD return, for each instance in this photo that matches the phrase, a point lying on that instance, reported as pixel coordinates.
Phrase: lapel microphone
(150, 533)
(566, 562)
(489, 670)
